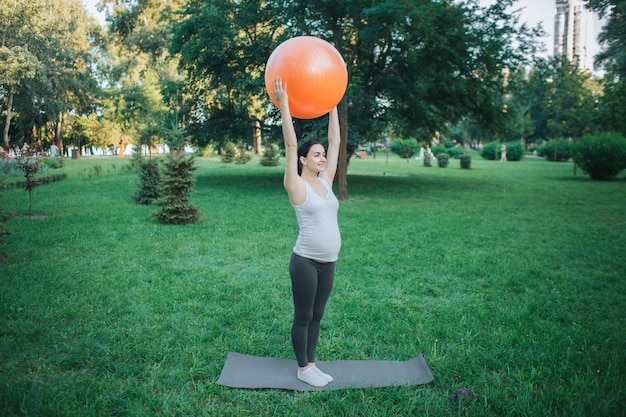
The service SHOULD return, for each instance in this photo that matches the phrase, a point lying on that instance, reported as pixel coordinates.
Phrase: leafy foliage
(556, 150)
(404, 148)
(466, 161)
(560, 101)
(28, 161)
(47, 66)
(491, 151)
(602, 156)
(452, 151)
(442, 160)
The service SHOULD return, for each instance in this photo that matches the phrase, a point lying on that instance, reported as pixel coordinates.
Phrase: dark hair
(303, 150)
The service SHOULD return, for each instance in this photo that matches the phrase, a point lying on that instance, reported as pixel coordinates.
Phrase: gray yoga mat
(254, 372)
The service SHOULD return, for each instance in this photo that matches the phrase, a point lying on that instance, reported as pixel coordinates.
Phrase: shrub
(438, 150)
(488, 151)
(514, 151)
(207, 151)
(453, 151)
(456, 152)
(601, 156)
(149, 179)
(9, 167)
(556, 150)
(442, 160)
(50, 179)
(466, 161)
(229, 153)
(404, 148)
(242, 156)
(271, 156)
(4, 217)
(177, 183)
(427, 160)
(53, 163)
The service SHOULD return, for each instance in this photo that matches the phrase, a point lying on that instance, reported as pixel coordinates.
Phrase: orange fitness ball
(315, 74)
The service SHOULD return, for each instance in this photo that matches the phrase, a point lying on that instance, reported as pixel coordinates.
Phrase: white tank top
(319, 236)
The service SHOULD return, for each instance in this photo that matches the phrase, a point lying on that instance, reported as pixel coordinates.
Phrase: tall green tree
(17, 63)
(613, 35)
(223, 47)
(413, 65)
(51, 41)
(613, 59)
(562, 100)
(142, 82)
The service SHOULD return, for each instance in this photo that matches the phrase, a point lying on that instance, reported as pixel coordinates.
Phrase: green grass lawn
(510, 278)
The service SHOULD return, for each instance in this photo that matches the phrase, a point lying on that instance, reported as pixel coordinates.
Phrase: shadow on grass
(371, 185)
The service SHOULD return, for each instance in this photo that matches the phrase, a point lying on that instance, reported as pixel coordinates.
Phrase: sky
(534, 12)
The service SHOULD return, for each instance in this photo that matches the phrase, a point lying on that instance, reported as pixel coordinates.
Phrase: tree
(141, 77)
(438, 60)
(613, 59)
(17, 63)
(562, 100)
(613, 35)
(48, 70)
(415, 65)
(223, 47)
(176, 187)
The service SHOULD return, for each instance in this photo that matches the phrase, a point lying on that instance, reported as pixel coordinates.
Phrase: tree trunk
(343, 150)
(123, 144)
(574, 160)
(57, 131)
(7, 123)
(256, 138)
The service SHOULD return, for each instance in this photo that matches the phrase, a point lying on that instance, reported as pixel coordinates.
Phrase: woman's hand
(280, 92)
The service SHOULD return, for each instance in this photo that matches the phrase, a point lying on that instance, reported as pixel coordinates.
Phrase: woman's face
(315, 159)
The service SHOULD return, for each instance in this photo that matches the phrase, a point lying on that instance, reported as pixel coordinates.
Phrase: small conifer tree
(271, 156)
(242, 156)
(149, 179)
(176, 187)
(229, 153)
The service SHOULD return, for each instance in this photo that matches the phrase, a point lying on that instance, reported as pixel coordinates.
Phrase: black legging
(311, 284)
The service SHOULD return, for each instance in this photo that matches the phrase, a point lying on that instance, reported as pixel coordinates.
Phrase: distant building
(575, 29)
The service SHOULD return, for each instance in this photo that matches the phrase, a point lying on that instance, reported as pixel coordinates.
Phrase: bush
(442, 160)
(601, 156)
(177, 183)
(452, 151)
(50, 179)
(271, 156)
(4, 217)
(466, 161)
(404, 148)
(235, 153)
(207, 151)
(53, 163)
(242, 156)
(228, 153)
(9, 167)
(514, 151)
(149, 179)
(556, 150)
